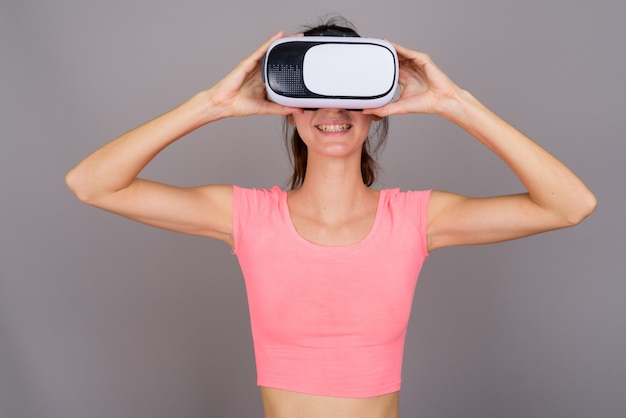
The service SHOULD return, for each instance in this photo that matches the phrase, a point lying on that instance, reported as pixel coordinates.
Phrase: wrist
(457, 107)
(209, 108)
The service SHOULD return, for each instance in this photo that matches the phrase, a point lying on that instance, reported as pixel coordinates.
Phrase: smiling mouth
(334, 128)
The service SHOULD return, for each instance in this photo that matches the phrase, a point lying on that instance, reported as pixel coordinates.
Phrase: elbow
(585, 206)
(75, 182)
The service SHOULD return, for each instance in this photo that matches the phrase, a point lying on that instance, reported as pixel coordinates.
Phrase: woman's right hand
(242, 91)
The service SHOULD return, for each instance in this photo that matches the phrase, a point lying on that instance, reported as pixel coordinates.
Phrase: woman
(330, 265)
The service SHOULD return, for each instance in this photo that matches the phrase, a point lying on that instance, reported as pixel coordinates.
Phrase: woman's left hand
(424, 88)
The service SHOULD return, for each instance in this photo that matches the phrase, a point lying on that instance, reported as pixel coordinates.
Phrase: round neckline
(286, 213)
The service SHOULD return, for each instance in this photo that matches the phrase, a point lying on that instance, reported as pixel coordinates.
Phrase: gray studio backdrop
(101, 317)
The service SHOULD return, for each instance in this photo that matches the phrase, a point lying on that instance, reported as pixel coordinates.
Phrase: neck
(335, 184)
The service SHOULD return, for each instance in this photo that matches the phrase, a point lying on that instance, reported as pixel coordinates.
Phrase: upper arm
(460, 220)
(204, 210)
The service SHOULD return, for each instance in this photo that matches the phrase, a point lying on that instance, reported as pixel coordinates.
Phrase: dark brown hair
(335, 26)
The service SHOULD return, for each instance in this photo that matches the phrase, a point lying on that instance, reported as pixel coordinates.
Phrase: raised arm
(108, 178)
(555, 198)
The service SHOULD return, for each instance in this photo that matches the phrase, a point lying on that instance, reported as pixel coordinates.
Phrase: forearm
(115, 166)
(550, 184)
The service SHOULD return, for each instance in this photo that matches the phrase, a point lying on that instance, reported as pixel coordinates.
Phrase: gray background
(102, 317)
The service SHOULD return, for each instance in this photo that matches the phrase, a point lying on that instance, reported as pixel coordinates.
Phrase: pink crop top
(329, 321)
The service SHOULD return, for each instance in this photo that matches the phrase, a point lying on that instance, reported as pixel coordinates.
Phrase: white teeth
(334, 128)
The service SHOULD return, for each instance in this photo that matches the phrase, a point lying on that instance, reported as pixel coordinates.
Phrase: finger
(382, 111)
(419, 58)
(258, 54)
(399, 107)
(263, 48)
(276, 109)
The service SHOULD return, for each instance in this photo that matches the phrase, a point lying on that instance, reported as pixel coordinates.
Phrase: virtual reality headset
(331, 72)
